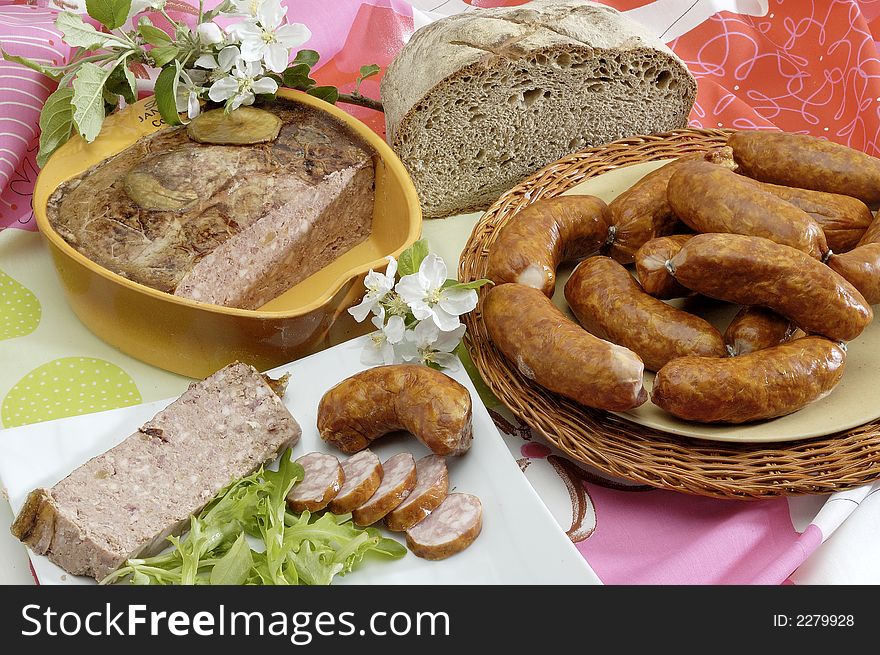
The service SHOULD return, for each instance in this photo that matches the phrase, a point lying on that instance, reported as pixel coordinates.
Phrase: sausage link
(610, 303)
(535, 241)
(861, 268)
(710, 198)
(843, 219)
(761, 385)
(872, 234)
(807, 162)
(546, 347)
(430, 405)
(642, 212)
(755, 271)
(651, 261)
(756, 328)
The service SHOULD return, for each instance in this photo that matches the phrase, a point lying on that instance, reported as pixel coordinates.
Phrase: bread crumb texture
(69, 386)
(20, 311)
(510, 90)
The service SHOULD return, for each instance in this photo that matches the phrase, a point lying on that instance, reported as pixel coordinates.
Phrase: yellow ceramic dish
(193, 338)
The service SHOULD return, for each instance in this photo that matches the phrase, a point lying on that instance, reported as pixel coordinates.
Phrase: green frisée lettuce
(296, 548)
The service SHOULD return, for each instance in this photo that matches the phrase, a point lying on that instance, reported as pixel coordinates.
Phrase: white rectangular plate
(521, 542)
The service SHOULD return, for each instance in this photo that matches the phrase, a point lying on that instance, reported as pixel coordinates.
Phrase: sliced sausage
(807, 162)
(421, 400)
(431, 488)
(536, 240)
(711, 198)
(322, 481)
(642, 212)
(651, 261)
(756, 328)
(610, 303)
(761, 385)
(843, 219)
(398, 481)
(750, 270)
(363, 474)
(447, 530)
(546, 347)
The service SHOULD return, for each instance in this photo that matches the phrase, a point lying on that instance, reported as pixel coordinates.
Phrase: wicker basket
(617, 446)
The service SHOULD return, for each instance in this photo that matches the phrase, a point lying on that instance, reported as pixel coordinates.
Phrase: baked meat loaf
(125, 503)
(251, 221)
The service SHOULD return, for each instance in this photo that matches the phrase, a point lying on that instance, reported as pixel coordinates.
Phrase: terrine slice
(125, 503)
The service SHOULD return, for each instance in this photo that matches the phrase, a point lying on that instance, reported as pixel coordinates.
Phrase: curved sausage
(872, 234)
(449, 529)
(535, 241)
(421, 400)
(432, 485)
(762, 385)
(843, 219)
(756, 328)
(651, 261)
(363, 475)
(755, 271)
(861, 268)
(610, 303)
(642, 212)
(322, 481)
(710, 198)
(398, 481)
(807, 162)
(546, 347)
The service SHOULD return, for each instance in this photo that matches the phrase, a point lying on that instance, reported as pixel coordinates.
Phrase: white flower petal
(246, 98)
(458, 301)
(223, 89)
(407, 351)
(209, 33)
(447, 361)
(391, 269)
(432, 272)
(270, 14)
(276, 57)
(361, 310)
(265, 85)
(424, 334)
(206, 61)
(293, 35)
(394, 330)
(193, 107)
(444, 320)
(421, 311)
(252, 50)
(371, 355)
(448, 341)
(227, 57)
(411, 289)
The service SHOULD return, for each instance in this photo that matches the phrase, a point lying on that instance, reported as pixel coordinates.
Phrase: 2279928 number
(823, 620)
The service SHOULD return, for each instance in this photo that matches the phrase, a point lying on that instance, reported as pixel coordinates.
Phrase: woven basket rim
(620, 447)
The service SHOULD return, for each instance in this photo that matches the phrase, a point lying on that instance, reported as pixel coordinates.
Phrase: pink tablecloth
(800, 65)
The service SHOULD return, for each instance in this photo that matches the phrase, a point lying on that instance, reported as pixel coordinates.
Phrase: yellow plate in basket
(193, 338)
(854, 402)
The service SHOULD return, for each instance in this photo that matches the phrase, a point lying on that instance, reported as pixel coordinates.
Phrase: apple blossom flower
(427, 344)
(265, 38)
(189, 90)
(241, 85)
(427, 296)
(380, 348)
(378, 286)
(210, 33)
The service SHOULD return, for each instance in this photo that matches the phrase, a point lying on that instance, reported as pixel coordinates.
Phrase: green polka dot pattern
(20, 310)
(68, 387)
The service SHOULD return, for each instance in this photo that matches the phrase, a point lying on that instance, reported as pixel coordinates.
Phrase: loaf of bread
(476, 102)
(124, 503)
(232, 225)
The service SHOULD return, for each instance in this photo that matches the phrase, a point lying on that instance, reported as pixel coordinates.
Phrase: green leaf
(411, 258)
(56, 123)
(30, 63)
(88, 99)
(369, 70)
(122, 83)
(78, 33)
(476, 284)
(153, 35)
(164, 54)
(327, 93)
(166, 95)
(233, 568)
(307, 57)
(110, 13)
(297, 77)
